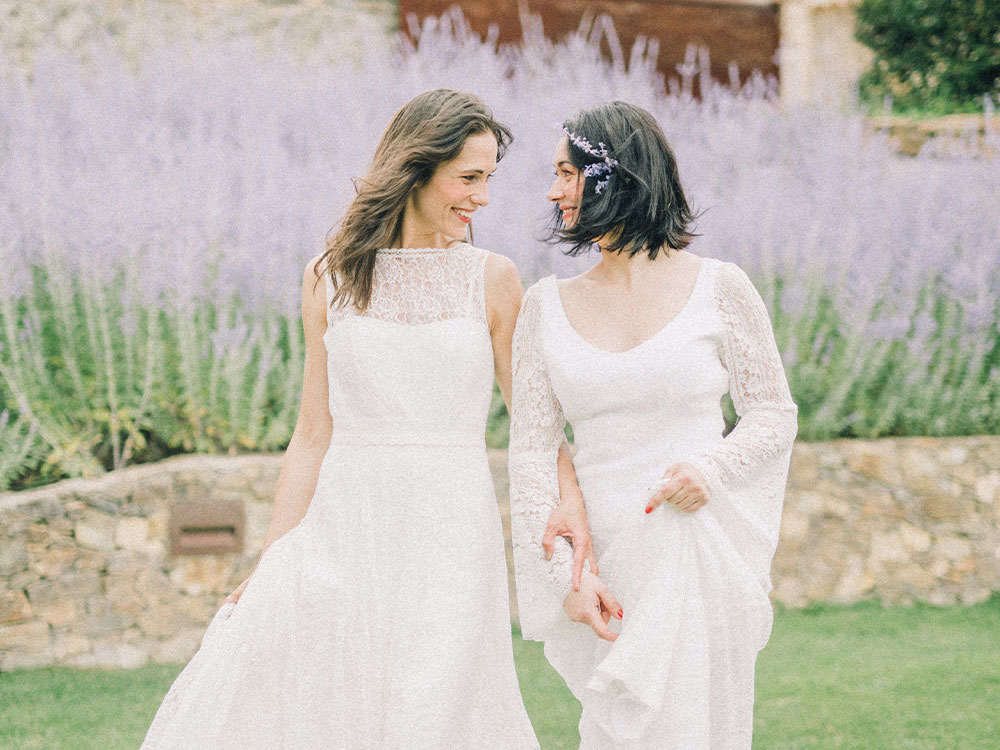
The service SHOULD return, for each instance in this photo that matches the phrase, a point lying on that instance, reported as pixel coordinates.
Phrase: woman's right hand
(237, 592)
(569, 520)
(593, 605)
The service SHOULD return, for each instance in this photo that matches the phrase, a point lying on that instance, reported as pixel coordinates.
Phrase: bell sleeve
(746, 472)
(536, 432)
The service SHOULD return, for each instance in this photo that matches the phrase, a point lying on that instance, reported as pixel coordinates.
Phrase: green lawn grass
(859, 677)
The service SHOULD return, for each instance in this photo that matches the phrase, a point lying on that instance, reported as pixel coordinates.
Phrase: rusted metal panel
(741, 31)
(207, 528)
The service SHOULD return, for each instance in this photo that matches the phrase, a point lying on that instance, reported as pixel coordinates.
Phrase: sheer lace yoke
(418, 286)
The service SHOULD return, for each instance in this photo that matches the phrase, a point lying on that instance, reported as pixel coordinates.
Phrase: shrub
(931, 54)
(158, 211)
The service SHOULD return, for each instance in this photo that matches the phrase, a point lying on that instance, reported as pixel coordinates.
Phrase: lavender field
(161, 192)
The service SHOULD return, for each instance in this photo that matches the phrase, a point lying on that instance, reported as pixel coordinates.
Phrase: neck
(620, 269)
(413, 235)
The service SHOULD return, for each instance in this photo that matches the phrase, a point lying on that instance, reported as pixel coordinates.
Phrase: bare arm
(311, 437)
(503, 300)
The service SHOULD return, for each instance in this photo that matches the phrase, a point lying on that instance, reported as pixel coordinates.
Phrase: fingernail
(649, 510)
(621, 614)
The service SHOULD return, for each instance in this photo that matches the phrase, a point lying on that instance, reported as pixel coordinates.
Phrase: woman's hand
(593, 605)
(237, 592)
(569, 519)
(682, 486)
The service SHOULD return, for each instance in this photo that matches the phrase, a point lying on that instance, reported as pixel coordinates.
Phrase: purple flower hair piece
(601, 169)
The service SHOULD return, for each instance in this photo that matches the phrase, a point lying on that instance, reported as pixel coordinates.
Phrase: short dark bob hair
(642, 207)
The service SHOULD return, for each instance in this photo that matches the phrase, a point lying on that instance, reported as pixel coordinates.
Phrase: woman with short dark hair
(636, 354)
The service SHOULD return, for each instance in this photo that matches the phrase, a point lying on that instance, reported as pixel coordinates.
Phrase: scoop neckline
(659, 332)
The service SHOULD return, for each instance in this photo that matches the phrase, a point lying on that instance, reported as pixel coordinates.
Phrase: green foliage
(933, 55)
(96, 376)
(930, 377)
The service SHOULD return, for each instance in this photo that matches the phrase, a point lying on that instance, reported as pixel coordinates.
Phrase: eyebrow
(563, 161)
(473, 170)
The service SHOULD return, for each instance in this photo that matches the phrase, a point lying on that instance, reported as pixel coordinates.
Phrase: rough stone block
(855, 582)
(52, 562)
(26, 636)
(45, 591)
(794, 527)
(65, 645)
(940, 507)
(82, 583)
(790, 592)
(988, 489)
(974, 594)
(96, 530)
(887, 547)
(132, 533)
(952, 549)
(26, 659)
(14, 607)
(160, 623)
(125, 597)
(153, 492)
(13, 556)
(875, 461)
(914, 539)
(60, 613)
(804, 468)
(101, 624)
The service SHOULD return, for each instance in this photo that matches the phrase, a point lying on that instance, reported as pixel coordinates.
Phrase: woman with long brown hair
(378, 616)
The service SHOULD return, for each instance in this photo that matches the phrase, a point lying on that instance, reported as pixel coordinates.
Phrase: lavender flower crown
(601, 169)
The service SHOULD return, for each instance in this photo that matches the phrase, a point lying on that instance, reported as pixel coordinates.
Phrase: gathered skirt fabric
(380, 622)
(680, 675)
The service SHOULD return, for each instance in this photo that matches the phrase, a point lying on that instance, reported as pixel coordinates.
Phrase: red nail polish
(649, 510)
(621, 614)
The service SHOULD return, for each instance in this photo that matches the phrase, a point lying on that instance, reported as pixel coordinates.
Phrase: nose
(555, 191)
(481, 197)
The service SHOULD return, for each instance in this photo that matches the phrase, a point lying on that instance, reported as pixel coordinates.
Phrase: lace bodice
(424, 285)
(637, 412)
(417, 364)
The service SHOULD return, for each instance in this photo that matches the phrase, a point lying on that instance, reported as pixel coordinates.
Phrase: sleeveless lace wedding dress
(693, 586)
(381, 621)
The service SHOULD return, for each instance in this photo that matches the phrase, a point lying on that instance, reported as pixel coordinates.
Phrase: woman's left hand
(682, 486)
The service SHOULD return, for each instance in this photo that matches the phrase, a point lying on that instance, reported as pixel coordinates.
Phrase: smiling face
(567, 188)
(440, 211)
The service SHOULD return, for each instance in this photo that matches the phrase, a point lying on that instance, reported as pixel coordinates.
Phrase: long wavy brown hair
(428, 131)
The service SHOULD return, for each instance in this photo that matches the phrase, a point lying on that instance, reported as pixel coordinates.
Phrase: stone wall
(898, 520)
(86, 574)
(87, 577)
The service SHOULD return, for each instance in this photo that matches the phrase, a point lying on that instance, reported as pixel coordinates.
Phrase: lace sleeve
(757, 452)
(536, 432)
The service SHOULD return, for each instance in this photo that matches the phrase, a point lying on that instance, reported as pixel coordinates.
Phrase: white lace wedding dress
(693, 586)
(381, 621)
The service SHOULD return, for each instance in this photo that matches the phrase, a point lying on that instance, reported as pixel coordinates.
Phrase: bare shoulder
(313, 290)
(501, 273)
(503, 282)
